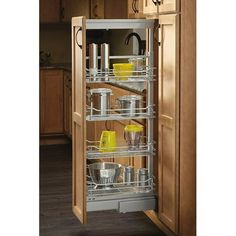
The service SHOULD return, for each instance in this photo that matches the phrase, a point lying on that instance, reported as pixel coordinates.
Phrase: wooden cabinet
(56, 11)
(50, 11)
(67, 103)
(51, 102)
(55, 106)
(135, 9)
(171, 213)
(109, 9)
(168, 131)
(71, 8)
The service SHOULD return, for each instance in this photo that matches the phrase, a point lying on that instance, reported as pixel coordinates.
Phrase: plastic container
(124, 70)
(130, 105)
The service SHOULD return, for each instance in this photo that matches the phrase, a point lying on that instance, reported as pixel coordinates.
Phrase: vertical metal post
(149, 33)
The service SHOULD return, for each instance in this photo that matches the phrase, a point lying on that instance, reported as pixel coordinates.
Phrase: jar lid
(129, 168)
(130, 97)
(143, 171)
(134, 128)
(100, 90)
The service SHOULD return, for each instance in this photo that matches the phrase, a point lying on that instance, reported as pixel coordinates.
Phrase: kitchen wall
(56, 39)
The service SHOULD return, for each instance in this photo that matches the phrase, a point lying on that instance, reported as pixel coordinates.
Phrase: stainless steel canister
(142, 176)
(93, 60)
(130, 105)
(100, 101)
(105, 61)
(128, 175)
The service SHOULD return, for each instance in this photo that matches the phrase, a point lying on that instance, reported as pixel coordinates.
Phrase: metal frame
(119, 24)
(120, 198)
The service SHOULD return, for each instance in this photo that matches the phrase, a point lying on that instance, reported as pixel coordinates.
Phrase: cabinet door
(168, 143)
(49, 11)
(72, 8)
(79, 120)
(168, 6)
(51, 102)
(114, 9)
(150, 7)
(97, 9)
(67, 103)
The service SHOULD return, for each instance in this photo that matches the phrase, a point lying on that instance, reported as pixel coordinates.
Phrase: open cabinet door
(168, 104)
(78, 117)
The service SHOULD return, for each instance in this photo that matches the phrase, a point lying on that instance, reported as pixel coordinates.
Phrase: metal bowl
(104, 172)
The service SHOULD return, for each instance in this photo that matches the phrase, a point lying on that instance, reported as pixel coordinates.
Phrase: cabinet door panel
(168, 170)
(49, 11)
(72, 8)
(168, 6)
(51, 102)
(114, 9)
(79, 120)
(67, 103)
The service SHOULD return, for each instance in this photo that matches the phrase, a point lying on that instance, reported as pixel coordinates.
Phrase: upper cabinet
(56, 11)
(152, 8)
(71, 8)
(109, 9)
(50, 11)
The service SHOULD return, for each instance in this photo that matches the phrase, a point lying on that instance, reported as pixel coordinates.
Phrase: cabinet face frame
(79, 189)
(168, 137)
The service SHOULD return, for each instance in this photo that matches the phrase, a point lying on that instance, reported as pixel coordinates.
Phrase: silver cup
(143, 177)
(105, 61)
(93, 60)
(128, 175)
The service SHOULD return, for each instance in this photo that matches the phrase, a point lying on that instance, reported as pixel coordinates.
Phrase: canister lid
(143, 171)
(129, 169)
(134, 128)
(100, 90)
(130, 97)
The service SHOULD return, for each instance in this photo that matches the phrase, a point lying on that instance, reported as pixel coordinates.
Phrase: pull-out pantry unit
(158, 151)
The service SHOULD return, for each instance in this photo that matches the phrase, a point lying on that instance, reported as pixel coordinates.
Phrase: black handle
(133, 7)
(135, 1)
(62, 13)
(156, 2)
(95, 11)
(80, 29)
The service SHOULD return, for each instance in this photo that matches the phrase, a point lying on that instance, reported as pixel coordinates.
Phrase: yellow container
(123, 69)
(108, 141)
(134, 128)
